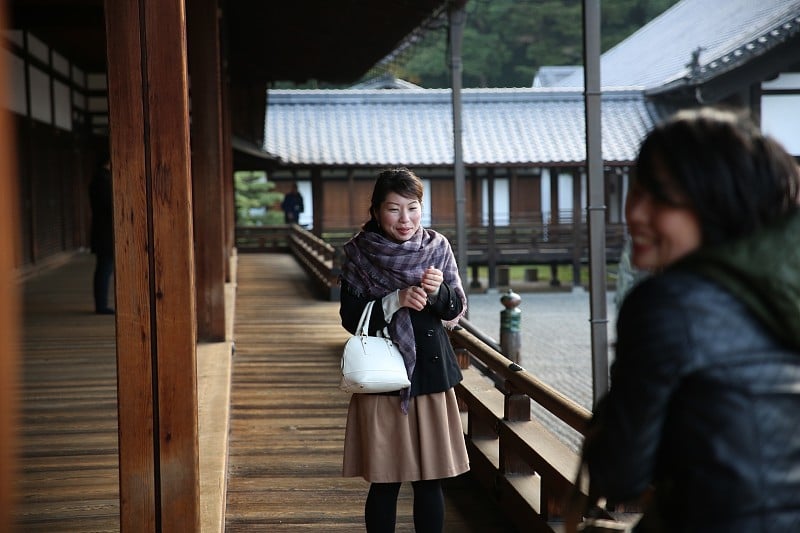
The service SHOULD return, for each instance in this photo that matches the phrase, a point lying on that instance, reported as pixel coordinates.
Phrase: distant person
(703, 412)
(414, 434)
(102, 235)
(292, 205)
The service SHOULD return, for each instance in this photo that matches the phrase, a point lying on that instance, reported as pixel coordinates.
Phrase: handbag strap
(363, 323)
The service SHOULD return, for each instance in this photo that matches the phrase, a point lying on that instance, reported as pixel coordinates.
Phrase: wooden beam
(207, 170)
(229, 194)
(318, 198)
(156, 350)
(9, 302)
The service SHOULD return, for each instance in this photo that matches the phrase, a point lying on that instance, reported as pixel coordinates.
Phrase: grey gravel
(555, 343)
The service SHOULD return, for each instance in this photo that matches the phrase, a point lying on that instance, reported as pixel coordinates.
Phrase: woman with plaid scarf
(413, 434)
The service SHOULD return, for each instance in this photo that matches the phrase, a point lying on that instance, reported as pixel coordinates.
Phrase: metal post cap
(510, 299)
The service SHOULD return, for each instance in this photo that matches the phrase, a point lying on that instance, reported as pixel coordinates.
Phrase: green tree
(255, 199)
(506, 41)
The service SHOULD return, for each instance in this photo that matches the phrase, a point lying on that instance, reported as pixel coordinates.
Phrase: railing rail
(262, 239)
(318, 258)
(530, 242)
(531, 472)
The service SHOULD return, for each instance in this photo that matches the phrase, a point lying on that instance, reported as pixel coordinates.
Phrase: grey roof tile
(728, 33)
(414, 126)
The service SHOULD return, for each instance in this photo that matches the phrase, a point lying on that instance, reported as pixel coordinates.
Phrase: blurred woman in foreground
(704, 404)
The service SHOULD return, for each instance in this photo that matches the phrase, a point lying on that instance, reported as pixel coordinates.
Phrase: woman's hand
(431, 280)
(413, 297)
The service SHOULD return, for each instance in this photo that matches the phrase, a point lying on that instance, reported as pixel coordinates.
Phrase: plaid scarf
(376, 266)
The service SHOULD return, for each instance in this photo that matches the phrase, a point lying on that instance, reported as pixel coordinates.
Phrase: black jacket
(705, 392)
(101, 202)
(436, 369)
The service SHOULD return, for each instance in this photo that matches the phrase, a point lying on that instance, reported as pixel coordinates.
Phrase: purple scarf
(376, 266)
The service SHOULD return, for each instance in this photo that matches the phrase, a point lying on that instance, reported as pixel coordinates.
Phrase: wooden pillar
(491, 249)
(577, 240)
(156, 350)
(207, 171)
(318, 197)
(354, 212)
(9, 302)
(555, 215)
(229, 201)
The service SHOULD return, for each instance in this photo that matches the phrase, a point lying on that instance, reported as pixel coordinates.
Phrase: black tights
(380, 512)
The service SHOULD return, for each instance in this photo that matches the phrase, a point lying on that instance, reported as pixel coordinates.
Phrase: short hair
(720, 165)
(398, 180)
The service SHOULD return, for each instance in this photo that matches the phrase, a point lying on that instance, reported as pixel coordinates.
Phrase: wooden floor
(68, 450)
(287, 414)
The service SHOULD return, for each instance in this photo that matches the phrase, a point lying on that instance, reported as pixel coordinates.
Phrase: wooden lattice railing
(522, 462)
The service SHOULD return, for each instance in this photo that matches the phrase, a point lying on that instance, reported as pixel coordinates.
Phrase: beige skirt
(383, 445)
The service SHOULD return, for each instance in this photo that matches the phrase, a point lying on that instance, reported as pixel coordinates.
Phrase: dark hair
(397, 180)
(718, 164)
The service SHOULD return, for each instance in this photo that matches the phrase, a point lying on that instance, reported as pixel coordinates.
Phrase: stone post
(510, 325)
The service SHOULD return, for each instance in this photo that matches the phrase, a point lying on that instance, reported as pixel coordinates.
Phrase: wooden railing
(318, 258)
(528, 469)
(262, 239)
(522, 242)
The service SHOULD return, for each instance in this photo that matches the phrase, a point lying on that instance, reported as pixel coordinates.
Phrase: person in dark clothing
(292, 205)
(102, 236)
(703, 413)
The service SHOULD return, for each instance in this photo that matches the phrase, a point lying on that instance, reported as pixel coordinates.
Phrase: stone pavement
(555, 344)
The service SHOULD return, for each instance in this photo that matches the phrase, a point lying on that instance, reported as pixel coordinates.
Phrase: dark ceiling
(267, 40)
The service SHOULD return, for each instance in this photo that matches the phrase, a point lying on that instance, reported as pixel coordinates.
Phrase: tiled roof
(414, 126)
(551, 76)
(728, 33)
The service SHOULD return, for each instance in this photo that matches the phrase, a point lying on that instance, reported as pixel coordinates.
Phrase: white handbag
(371, 364)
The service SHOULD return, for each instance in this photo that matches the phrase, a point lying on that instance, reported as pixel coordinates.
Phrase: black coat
(101, 201)
(705, 405)
(436, 368)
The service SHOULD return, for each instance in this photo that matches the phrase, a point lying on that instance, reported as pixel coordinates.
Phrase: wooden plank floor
(68, 477)
(288, 417)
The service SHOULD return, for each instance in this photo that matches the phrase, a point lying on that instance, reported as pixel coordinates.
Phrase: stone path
(556, 342)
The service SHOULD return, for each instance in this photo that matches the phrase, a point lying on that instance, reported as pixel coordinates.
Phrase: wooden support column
(491, 249)
(229, 199)
(577, 244)
(9, 302)
(555, 214)
(156, 350)
(354, 212)
(318, 199)
(207, 170)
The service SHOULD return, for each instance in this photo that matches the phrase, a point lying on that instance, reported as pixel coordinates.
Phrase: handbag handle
(363, 323)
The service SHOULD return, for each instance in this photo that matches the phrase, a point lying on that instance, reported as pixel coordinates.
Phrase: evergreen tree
(256, 200)
(506, 41)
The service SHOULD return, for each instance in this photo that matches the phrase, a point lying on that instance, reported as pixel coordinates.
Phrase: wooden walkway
(68, 442)
(286, 423)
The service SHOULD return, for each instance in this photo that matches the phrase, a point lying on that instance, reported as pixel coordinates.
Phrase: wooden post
(517, 408)
(229, 194)
(355, 211)
(555, 215)
(207, 171)
(155, 293)
(318, 199)
(577, 244)
(9, 302)
(491, 249)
